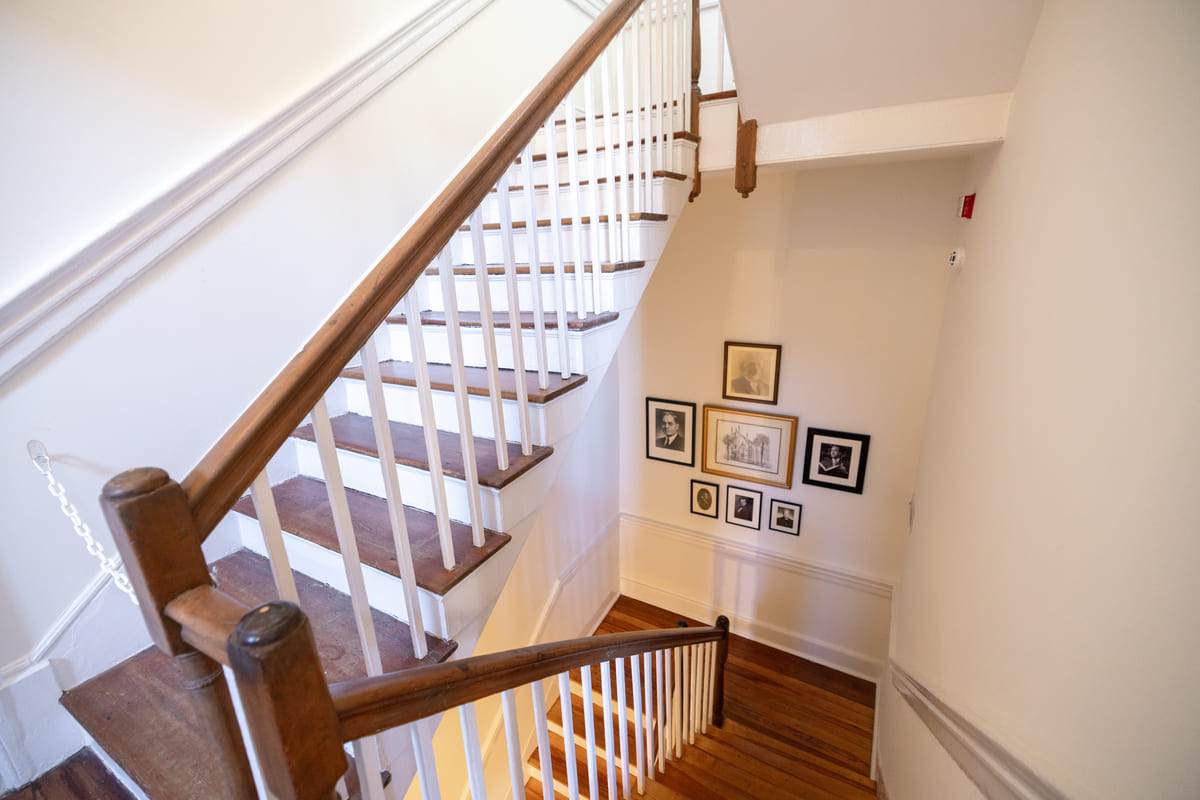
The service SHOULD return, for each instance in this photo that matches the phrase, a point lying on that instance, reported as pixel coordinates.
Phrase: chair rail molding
(51, 307)
(998, 773)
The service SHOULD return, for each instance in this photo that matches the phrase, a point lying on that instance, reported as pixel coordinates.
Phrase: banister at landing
(226, 471)
(368, 706)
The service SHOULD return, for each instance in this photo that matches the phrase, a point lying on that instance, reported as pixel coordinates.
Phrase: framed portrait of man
(751, 372)
(670, 431)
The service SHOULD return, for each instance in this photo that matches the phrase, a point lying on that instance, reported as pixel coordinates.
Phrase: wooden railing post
(694, 122)
(718, 709)
(288, 708)
(156, 535)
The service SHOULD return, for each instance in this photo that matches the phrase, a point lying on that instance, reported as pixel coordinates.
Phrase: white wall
(846, 269)
(155, 376)
(1049, 591)
(562, 584)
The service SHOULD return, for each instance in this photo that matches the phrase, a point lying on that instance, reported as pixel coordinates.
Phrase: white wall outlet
(957, 256)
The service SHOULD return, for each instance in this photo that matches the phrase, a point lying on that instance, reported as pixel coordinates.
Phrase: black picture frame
(836, 459)
(784, 517)
(751, 363)
(706, 499)
(681, 449)
(743, 507)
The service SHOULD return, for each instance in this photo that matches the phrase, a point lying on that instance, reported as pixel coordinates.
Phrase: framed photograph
(784, 517)
(749, 445)
(836, 459)
(704, 498)
(743, 507)
(671, 431)
(751, 372)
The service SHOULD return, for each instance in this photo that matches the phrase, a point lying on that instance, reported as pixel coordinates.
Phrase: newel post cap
(135, 482)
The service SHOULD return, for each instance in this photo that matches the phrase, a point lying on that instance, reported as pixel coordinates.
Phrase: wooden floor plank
(793, 729)
(81, 777)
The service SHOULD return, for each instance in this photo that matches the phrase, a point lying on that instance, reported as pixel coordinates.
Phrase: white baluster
(474, 753)
(623, 166)
(648, 689)
(512, 738)
(653, 99)
(490, 358)
(514, 304)
(664, 691)
(694, 696)
(422, 746)
(441, 506)
(664, 90)
(686, 35)
(336, 492)
(720, 51)
(461, 400)
(391, 484)
(535, 265)
(623, 728)
(635, 84)
(577, 216)
(712, 680)
(369, 768)
(610, 758)
(564, 705)
(610, 165)
(268, 521)
(543, 739)
(673, 90)
(589, 730)
(677, 702)
(589, 111)
(638, 722)
(560, 277)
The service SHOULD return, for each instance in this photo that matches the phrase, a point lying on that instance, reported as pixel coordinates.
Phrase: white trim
(828, 573)
(56, 303)
(831, 655)
(15, 670)
(592, 8)
(998, 773)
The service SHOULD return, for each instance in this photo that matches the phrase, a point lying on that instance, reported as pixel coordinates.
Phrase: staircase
(393, 513)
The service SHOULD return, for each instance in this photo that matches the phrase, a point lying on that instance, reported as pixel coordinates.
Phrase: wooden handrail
(368, 706)
(225, 472)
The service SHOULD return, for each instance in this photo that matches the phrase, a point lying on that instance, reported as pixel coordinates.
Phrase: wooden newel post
(694, 122)
(286, 699)
(156, 535)
(718, 711)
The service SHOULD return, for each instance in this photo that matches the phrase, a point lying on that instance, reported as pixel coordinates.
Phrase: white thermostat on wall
(957, 256)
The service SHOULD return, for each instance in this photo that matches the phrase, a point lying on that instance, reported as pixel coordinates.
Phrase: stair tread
(141, 715)
(546, 268)
(304, 510)
(83, 776)
(643, 216)
(686, 136)
(500, 319)
(354, 432)
(658, 173)
(441, 378)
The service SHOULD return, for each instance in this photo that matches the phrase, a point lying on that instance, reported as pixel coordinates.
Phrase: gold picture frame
(749, 445)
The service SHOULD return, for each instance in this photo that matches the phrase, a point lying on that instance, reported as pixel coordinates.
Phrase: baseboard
(68, 294)
(831, 655)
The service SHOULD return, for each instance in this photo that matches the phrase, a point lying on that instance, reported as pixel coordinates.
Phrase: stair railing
(159, 525)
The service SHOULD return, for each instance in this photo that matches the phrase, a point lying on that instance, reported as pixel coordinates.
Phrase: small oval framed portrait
(705, 498)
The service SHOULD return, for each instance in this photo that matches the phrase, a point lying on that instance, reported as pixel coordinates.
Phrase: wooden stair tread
(83, 776)
(545, 268)
(441, 378)
(304, 510)
(141, 715)
(354, 432)
(658, 173)
(686, 136)
(500, 319)
(519, 224)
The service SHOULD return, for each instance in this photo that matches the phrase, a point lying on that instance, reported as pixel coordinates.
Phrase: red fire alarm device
(966, 205)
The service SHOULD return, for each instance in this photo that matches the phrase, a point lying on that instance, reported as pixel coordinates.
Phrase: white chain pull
(41, 459)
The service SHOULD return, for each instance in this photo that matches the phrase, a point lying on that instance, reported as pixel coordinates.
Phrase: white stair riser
(566, 201)
(586, 349)
(614, 123)
(384, 590)
(680, 158)
(616, 291)
(646, 239)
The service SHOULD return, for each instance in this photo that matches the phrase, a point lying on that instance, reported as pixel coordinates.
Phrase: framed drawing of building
(749, 445)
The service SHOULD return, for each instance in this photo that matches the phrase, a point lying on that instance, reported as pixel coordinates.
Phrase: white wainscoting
(825, 613)
(70, 292)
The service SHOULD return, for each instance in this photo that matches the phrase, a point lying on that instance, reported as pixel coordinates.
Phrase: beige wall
(1049, 589)
(846, 269)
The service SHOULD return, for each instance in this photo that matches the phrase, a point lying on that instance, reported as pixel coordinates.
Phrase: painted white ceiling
(796, 59)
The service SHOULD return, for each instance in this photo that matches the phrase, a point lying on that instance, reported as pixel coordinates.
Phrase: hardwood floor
(80, 777)
(793, 728)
